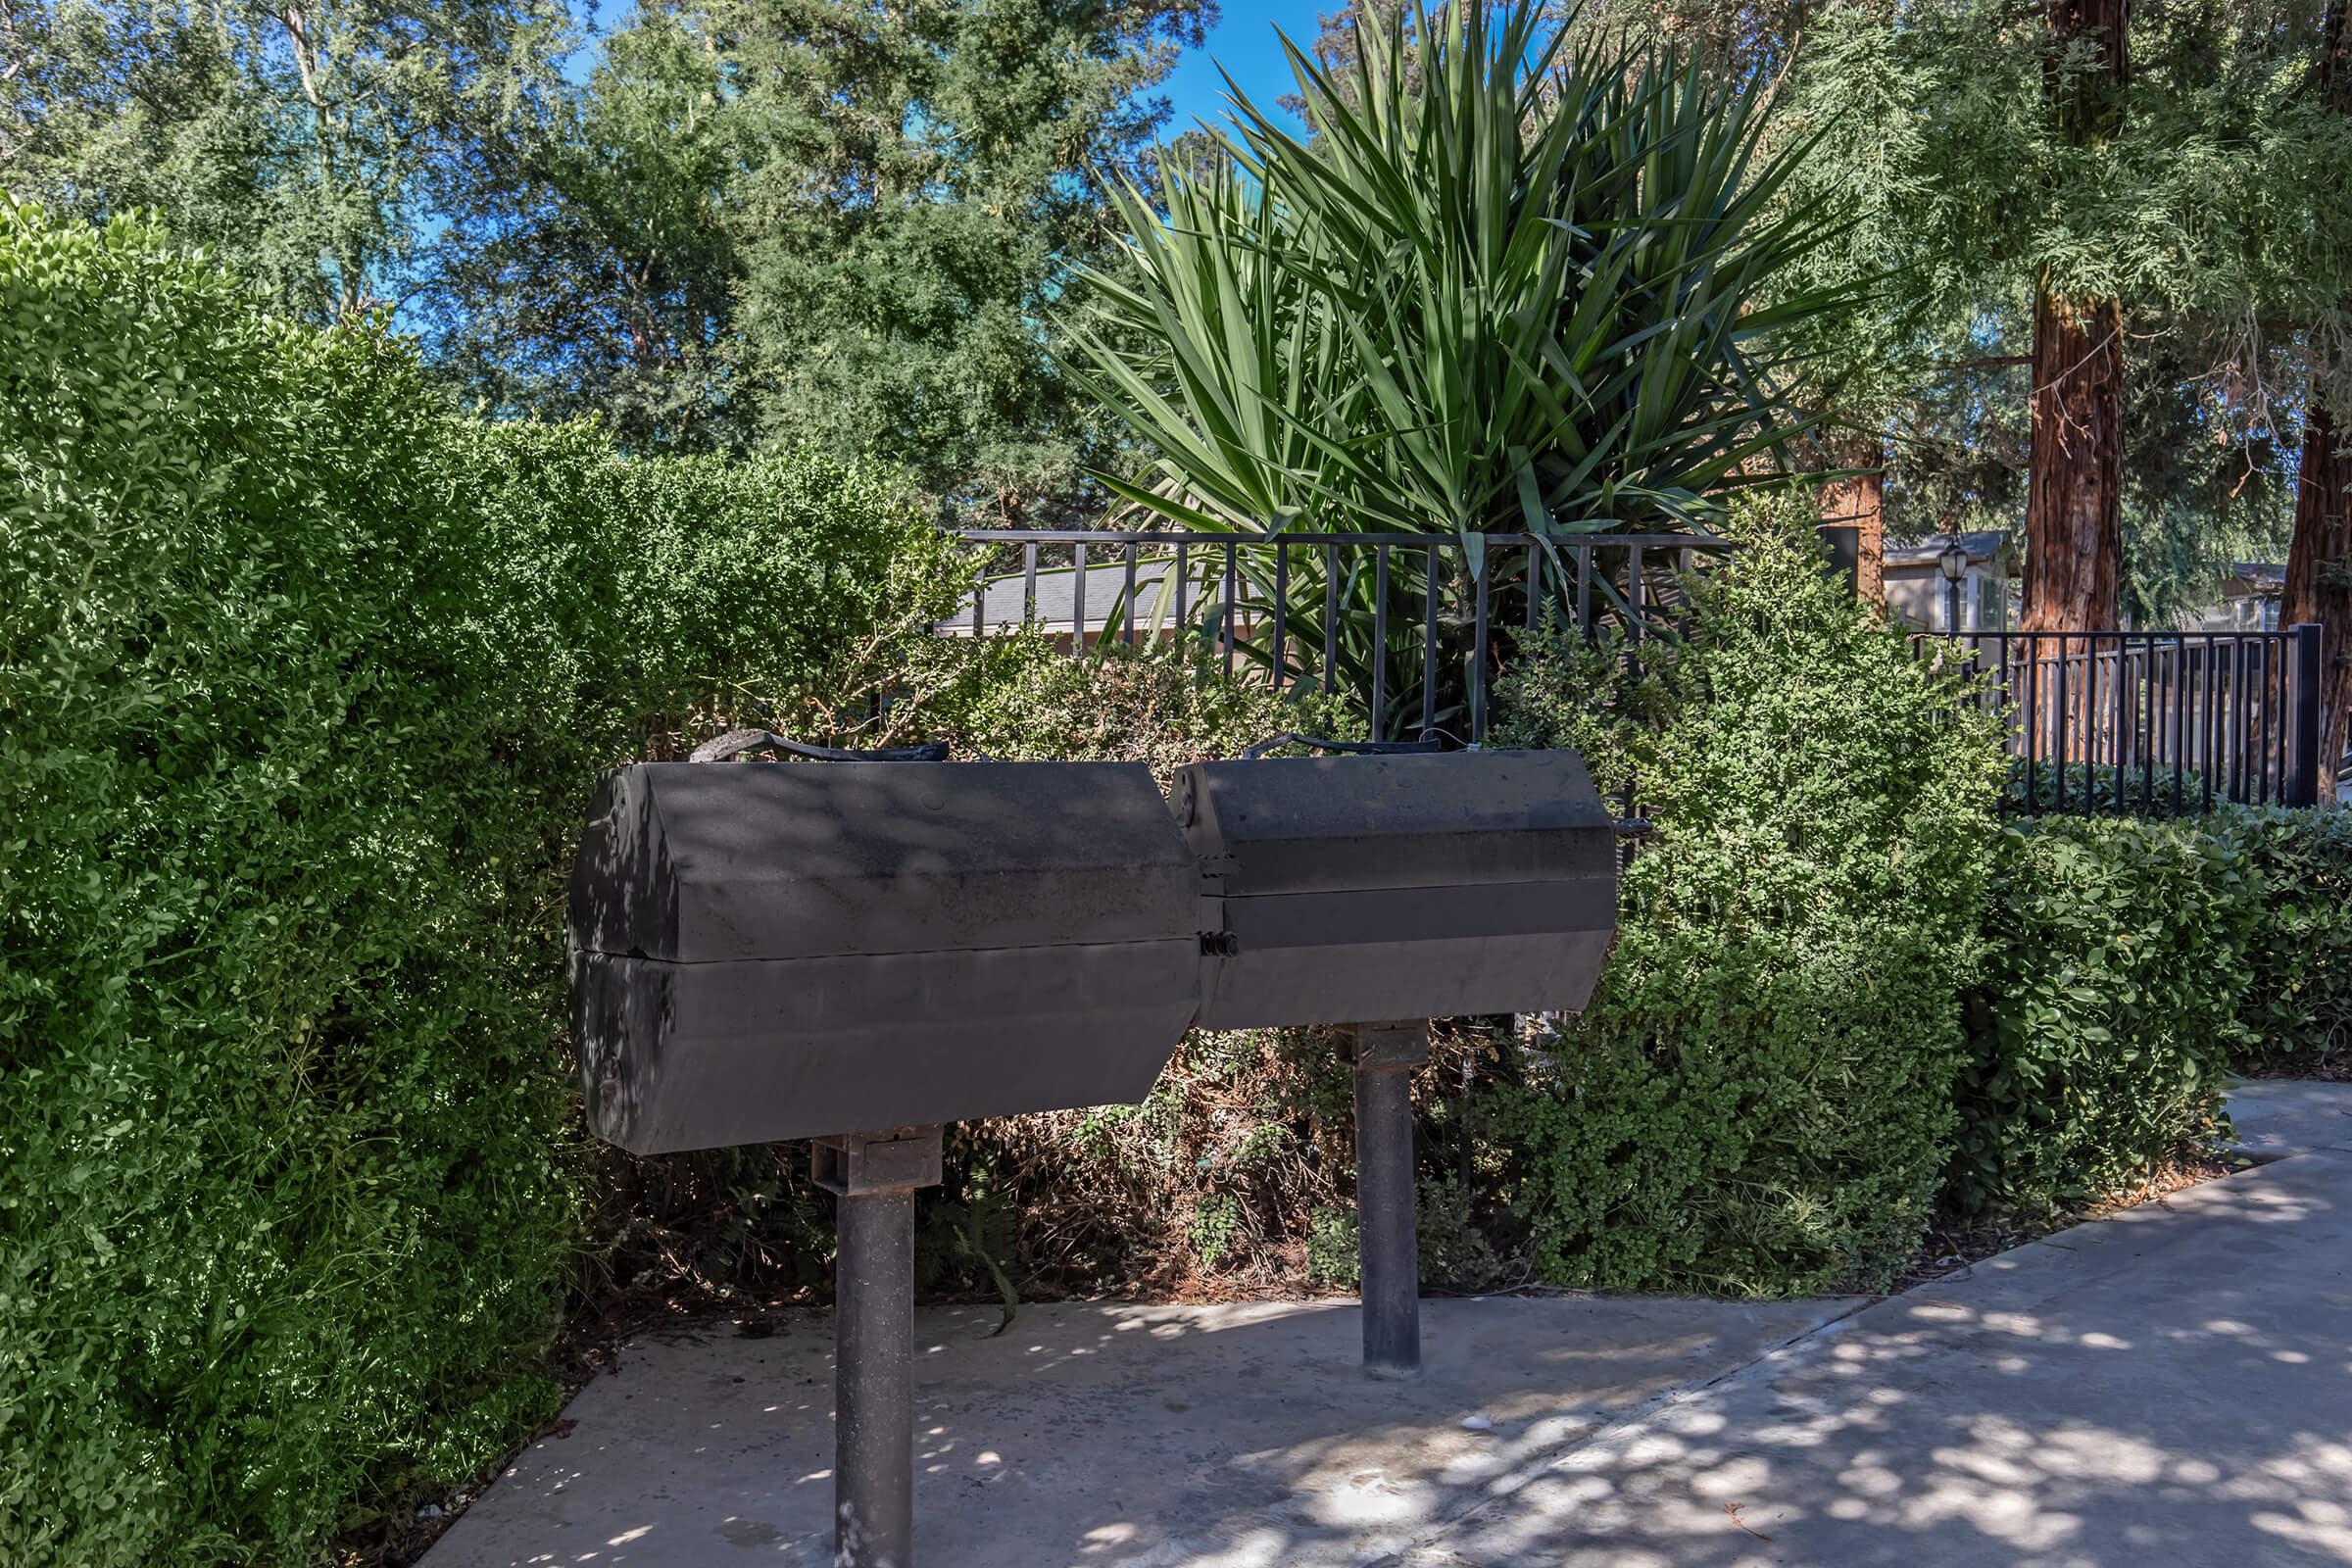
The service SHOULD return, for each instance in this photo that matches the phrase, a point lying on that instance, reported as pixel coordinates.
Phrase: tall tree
(830, 220)
(307, 141)
(593, 269)
(2074, 495)
(2318, 565)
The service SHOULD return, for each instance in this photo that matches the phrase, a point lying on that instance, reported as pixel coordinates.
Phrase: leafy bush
(2106, 1010)
(1758, 1100)
(284, 1168)
(2297, 1009)
(301, 687)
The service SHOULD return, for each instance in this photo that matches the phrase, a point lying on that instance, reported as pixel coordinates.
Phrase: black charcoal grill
(860, 952)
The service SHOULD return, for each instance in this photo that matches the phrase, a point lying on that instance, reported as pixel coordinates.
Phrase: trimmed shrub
(2106, 1010)
(302, 688)
(2297, 1009)
(1758, 1100)
(285, 1183)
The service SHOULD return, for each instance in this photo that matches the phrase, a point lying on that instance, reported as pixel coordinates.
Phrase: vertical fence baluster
(1184, 579)
(2180, 735)
(1233, 552)
(1429, 637)
(2212, 734)
(1331, 618)
(2235, 696)
(2062, 725)
(1584, 587)
(1478, 651)
(1078, 601)
(1028, 584)
(2033, 651)
(1380, 640)
(2123, 722)
(1535, 580)
(1132, 603)
(1635, 597)
(1282, 604)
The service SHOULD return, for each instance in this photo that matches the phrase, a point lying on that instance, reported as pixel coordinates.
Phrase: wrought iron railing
(2149, 721)
(1404, 623)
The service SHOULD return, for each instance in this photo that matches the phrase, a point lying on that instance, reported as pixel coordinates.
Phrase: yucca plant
(1513, 280)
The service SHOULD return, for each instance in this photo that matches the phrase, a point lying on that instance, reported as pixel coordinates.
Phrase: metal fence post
(2303, 773)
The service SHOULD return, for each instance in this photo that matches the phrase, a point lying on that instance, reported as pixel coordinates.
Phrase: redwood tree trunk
(1861, 499)
(2318, 576)
(2319, 563)
(2073, 501)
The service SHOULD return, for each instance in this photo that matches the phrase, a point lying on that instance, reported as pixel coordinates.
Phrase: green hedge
(2107, 1011)
(2297, 1009)
(1760, 1097)
(301, 688)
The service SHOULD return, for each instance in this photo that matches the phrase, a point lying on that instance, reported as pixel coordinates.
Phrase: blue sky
(1243, 44)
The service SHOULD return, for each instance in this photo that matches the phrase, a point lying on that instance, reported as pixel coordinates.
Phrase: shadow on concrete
(2173, 1387)
(2170, 1386)
(1104, 1434)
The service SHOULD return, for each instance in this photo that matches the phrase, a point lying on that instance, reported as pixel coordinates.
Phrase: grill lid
(1337, 824)
(707, 863)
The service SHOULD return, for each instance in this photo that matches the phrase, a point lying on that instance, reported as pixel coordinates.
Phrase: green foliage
(2297, 1007)
(302, 688)
(757, 225)
(1504, 285)
(285, 1167)
(1758, 1100)
(1330, 1248)
(1164, 705)
(310, 146)
(2106, 1010)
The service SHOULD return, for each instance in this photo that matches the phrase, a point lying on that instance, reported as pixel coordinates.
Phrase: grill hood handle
(758, 739)
(1430, 741)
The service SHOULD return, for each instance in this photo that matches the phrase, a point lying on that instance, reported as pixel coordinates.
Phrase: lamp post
(1954, 560)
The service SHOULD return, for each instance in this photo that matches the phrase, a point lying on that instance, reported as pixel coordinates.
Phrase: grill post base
(1387, 1252)
(874, 1177)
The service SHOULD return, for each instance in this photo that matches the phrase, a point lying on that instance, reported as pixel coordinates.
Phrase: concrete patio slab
(2173, 1386)
(1138, 1436)
(2168, 1387)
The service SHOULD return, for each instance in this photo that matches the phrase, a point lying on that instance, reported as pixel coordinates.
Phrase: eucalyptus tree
(308, 142)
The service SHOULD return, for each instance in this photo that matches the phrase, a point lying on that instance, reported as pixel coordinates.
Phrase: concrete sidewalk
(2173, 1386)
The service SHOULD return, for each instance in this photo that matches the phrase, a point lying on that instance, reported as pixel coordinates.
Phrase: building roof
(1056, 606)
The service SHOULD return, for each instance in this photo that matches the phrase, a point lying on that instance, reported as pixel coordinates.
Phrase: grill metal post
(1387, 1252)
(874, 1176)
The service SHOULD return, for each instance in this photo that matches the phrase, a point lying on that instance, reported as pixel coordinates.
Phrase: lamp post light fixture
(1953, 562)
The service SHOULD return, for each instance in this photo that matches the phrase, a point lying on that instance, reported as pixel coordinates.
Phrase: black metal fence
(2149, 721)
(1404, 623)
(1410, 628)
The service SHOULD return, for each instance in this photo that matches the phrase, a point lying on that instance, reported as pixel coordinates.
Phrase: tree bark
(2074, 498)
(2319, 563)
(2318, 576)
(1861, 499)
